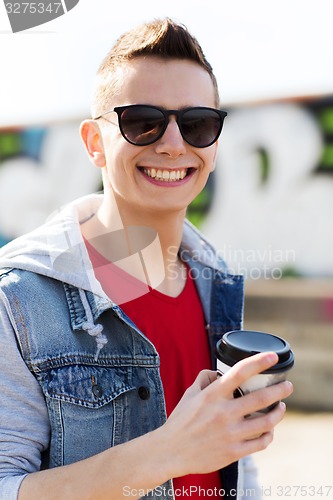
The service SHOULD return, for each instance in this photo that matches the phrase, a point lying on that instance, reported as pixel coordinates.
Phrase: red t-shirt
(176, 327)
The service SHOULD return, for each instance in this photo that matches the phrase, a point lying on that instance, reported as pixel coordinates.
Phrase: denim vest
(101, 397)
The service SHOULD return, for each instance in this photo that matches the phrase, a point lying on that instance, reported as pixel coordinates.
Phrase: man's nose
(171, 142)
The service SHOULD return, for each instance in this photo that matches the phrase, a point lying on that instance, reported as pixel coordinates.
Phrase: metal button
(144, 392)
(97, 391)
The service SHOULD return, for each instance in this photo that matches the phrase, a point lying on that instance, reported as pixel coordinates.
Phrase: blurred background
(269, 204)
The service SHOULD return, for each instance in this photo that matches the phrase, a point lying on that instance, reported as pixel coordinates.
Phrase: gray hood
(57, 250)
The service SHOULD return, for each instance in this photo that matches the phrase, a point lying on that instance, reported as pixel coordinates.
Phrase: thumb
(203, 380)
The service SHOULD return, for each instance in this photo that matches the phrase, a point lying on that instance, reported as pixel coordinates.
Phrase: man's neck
(134, 240)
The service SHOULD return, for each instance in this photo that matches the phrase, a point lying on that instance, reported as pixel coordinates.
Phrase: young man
(110, 312)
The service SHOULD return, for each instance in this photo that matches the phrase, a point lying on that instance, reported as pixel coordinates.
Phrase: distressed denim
(101, 395)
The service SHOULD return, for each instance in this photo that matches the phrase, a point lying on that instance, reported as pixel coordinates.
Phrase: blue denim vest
(100, 398)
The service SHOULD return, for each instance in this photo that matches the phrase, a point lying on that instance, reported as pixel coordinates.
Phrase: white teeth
(166, 175)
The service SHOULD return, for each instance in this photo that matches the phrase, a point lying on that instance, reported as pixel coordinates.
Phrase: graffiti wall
(267, 206)
(271, 213)
(41, 168)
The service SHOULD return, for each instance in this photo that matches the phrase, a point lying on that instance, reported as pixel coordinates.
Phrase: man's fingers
(257, 444)
(245, 369)
(263, 398)
(256, 427)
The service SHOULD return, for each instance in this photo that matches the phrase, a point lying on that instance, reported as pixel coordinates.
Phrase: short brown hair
(161, 38)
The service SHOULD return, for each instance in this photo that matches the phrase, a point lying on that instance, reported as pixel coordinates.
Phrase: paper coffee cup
(240, 344)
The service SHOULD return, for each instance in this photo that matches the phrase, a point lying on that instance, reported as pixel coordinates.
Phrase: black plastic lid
(240, 344)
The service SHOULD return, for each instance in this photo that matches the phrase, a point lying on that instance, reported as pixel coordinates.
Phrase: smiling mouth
(166, 175)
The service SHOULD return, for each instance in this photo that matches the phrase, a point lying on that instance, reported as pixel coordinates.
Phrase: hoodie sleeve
(24, 423)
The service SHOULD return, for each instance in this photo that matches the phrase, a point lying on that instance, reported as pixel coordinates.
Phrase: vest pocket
(87, 404)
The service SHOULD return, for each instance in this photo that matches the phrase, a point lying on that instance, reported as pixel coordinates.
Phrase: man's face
(134, 172)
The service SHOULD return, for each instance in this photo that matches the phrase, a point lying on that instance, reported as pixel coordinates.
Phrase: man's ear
(92, 138)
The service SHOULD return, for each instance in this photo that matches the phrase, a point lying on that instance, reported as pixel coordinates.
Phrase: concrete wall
(300, 311)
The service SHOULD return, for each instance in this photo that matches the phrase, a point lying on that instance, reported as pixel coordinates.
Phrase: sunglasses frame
(178, 113)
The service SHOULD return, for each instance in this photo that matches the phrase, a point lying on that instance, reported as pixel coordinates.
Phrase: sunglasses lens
(201, 127)
(142, 125)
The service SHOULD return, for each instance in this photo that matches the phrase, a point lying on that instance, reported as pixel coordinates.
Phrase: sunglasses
(142, 124)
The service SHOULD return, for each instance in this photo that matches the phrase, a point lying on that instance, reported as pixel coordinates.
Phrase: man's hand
(208, 429)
